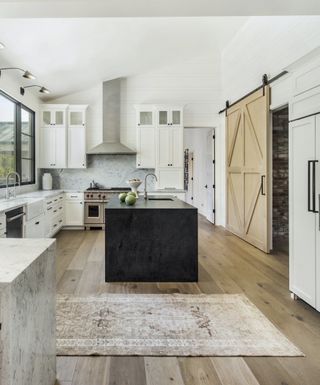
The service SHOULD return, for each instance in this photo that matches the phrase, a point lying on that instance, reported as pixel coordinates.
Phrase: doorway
(280, 180)
(199, 146)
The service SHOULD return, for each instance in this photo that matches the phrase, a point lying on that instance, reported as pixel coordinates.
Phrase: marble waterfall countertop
(16, 255)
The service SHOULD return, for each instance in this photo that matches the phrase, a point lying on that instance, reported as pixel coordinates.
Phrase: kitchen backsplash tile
(107, 170)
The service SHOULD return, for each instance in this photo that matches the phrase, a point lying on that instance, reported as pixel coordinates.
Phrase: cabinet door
(60, 147)
(170, 178)
(59, 117)
(146, 148)
(163, 117)
(176, 145)
(76, 118)
(176, 117)
(318, 215)
(146, 118)
(73, 213)
(35, 228)
(47, 118)
(302, 154)
(76, 147)
(47, 147)
(164, 147)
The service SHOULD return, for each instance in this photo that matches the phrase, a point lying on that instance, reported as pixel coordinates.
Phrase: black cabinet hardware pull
(312, 186)
(262, 185)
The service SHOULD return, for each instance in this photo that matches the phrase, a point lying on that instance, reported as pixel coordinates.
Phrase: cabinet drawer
(74, 196)
(35, 227)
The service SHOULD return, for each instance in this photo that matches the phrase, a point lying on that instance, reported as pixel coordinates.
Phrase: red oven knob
(87, 196)
(103, 197)
(91, 195)
(99, 195)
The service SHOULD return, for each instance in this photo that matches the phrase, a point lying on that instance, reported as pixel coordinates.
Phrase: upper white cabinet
(77, 136)
(63, 136)
(146, 152)
(305, 91)
(54, 115)
(53, 147)
(169, 116)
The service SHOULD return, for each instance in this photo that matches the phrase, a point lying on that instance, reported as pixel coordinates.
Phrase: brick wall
(280, 177)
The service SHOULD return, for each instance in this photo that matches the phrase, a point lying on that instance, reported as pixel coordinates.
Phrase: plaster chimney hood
(111, 122)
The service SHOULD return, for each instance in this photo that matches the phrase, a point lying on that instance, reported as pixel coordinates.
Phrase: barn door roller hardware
(265, 82)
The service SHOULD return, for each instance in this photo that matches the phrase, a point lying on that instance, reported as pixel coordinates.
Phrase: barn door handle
(262, 185)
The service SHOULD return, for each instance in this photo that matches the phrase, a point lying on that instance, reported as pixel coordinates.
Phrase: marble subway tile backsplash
(107, 170)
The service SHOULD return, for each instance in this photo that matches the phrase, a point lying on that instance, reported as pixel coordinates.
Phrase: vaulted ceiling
(68, 55)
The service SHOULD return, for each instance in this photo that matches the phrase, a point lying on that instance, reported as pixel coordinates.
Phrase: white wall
(10, 84)
(263, 45)
(195, 83)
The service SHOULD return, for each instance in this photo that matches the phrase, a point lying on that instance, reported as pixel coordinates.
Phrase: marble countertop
(141, 203)
(27, 198)
(17, 254)
(168, 191)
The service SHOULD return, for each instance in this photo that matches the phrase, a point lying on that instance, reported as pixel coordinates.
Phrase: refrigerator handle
(314, 186)
(309, 168)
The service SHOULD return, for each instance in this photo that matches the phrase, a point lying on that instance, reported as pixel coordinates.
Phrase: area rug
(167, 325)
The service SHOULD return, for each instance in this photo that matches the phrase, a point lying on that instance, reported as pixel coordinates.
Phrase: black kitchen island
(156, 240)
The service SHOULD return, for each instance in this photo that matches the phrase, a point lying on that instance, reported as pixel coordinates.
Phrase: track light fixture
(43, 90)
(26, 74)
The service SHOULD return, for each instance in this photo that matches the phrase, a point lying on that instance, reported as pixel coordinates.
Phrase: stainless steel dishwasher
(14, 219)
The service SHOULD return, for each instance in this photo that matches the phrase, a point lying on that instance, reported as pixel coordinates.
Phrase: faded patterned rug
(167, 325)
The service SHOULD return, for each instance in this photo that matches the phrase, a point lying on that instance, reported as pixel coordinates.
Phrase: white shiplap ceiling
(68, 55)
(155, 8)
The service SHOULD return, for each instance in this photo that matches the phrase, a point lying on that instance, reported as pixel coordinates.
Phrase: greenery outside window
(17, 140)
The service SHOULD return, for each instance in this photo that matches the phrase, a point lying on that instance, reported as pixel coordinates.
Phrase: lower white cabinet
(74, 209)
(54, 215)
(304, 207)
(35, 228)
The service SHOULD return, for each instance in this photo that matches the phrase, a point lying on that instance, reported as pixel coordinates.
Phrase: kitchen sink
(160, 199)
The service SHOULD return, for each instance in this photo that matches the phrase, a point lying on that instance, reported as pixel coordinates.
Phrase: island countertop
(17, 254)
(164, 202)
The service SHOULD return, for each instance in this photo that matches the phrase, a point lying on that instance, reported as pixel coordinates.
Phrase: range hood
(111, 144)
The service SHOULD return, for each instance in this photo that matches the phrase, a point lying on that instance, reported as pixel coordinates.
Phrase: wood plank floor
(226, 265)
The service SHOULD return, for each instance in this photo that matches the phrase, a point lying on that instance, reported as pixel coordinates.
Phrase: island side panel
(29, 325)
(151, 245)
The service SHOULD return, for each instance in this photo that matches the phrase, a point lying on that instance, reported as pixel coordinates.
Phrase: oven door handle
(9, 220)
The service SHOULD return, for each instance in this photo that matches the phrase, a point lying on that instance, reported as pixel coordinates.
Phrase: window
(17, 140)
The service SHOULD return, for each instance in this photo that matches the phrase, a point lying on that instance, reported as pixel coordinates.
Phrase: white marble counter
(27, 312)
(42, 194)
(17, 254)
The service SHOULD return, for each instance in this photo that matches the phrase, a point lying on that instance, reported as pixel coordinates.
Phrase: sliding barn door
(247, 163)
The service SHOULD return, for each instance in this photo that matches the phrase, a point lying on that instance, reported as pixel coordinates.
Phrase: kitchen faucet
(7, 184)
(145, 184)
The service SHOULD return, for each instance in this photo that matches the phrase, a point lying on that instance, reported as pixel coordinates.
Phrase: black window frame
(18, 142)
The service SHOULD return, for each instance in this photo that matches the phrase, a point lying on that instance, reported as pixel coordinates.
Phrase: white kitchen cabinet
(77, 147)
(74, 209)
(35, 228)
(53, 115)
(146, 152)
(170, 147)
(170, 178)
(169, 116)
(304, 206)
(53, 147)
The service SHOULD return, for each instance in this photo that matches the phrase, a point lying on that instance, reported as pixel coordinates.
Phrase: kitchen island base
(151, 242)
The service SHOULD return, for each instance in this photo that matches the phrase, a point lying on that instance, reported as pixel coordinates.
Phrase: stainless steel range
(95, 201)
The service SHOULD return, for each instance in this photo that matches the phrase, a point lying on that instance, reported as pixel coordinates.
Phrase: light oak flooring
(226, 265)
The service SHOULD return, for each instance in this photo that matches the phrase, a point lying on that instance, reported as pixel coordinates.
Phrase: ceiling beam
(155, 8)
